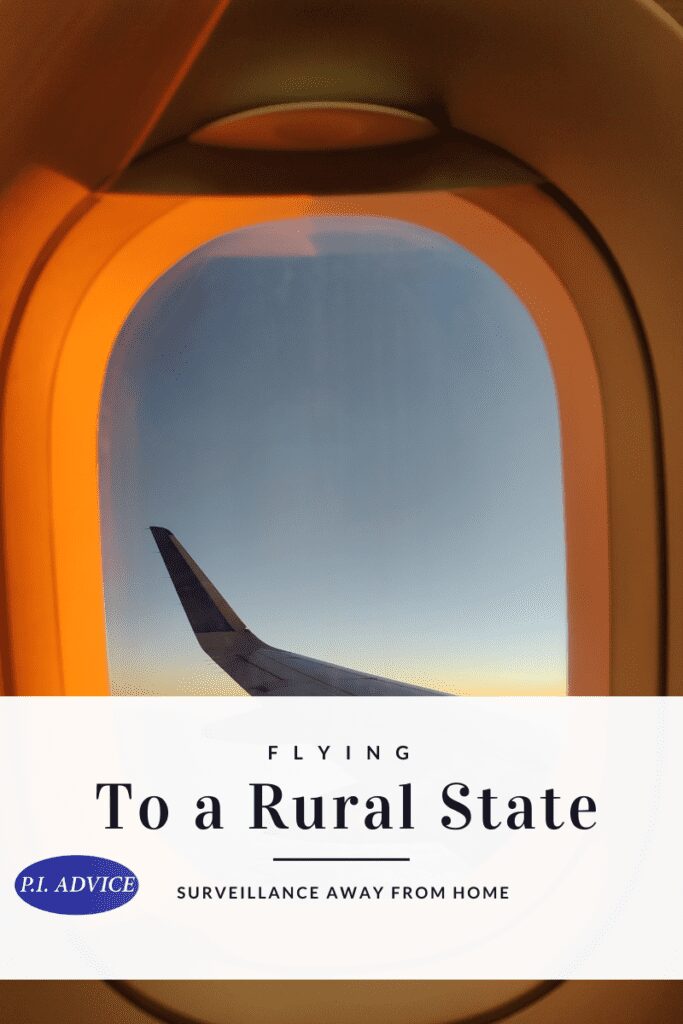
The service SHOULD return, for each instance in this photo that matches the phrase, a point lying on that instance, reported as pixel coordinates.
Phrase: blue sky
(351, 425)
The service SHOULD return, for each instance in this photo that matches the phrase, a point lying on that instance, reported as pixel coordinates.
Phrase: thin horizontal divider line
(365, 859)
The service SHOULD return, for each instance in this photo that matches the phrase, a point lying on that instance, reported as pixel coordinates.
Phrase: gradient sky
(351, 425)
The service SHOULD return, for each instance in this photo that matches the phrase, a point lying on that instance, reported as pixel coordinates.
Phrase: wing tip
(205, 607)
(160, 531)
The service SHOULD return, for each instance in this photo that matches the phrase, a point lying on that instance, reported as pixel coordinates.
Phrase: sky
(351, 425)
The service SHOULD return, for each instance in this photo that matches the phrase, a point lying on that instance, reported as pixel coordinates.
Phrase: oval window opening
(351, 426)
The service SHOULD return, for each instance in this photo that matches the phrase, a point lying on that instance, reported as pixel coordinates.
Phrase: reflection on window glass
(351, 425)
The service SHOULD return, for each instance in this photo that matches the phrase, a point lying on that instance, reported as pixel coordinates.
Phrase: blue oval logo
(76, 885)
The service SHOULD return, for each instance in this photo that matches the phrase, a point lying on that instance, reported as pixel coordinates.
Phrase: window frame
(108, 260)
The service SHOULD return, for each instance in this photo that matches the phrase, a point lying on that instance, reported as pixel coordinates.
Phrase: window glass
(351, 425)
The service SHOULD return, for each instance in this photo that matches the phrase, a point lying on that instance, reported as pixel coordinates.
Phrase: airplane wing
(257, 667)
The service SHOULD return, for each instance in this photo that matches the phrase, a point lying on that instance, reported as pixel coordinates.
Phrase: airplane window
(344, 431)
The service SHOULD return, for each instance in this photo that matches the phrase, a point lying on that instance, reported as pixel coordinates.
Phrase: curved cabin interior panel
(373, 312)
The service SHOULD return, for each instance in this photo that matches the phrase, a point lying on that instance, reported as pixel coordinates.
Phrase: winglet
(206, 609)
